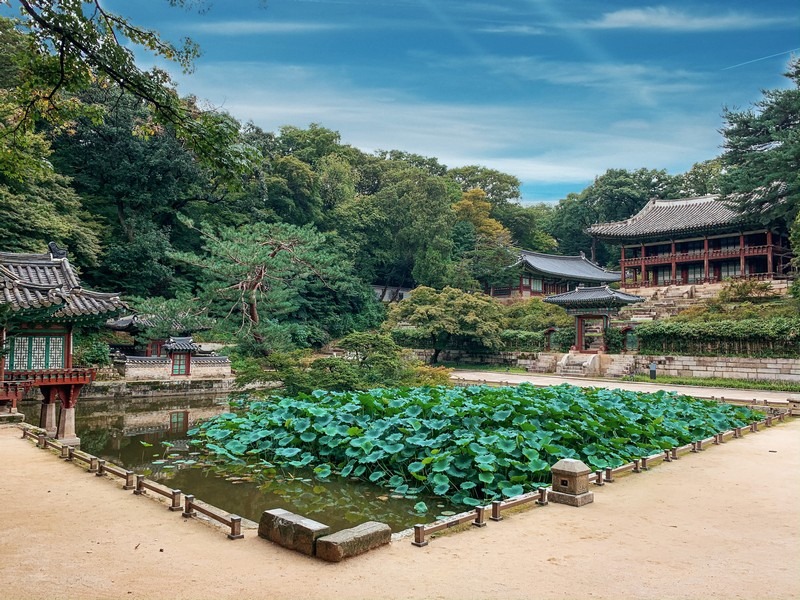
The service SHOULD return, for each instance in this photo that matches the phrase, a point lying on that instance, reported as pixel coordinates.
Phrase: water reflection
(149, 437)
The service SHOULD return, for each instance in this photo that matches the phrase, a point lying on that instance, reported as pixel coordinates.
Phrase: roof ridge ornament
(56, 252)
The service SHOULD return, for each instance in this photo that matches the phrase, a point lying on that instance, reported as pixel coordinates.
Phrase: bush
(515, 339)
(92, 352)
(615, 340)
(746, 289)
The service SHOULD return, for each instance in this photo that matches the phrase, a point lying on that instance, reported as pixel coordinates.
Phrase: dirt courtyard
(724, 523)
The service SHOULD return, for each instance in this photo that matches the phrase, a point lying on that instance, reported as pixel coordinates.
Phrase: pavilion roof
(574, 268)
(661, 218)
(593, 297)
(181, 344)
(47, 282)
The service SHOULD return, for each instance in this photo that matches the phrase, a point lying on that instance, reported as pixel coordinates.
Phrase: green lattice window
(35, 352)
(180, 363)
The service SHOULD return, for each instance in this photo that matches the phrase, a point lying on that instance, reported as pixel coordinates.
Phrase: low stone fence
(776, 369)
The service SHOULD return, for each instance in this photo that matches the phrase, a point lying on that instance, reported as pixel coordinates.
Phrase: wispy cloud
(230, 28)
(668, 19)
(512, 29)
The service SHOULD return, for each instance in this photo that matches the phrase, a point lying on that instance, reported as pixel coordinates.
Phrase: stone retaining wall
(778, 369)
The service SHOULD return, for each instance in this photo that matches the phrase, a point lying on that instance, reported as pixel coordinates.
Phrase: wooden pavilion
(694, 241)
(592, 308)
(41, 300)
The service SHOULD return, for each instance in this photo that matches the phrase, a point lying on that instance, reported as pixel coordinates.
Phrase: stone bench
(290, 530)
(354, 541)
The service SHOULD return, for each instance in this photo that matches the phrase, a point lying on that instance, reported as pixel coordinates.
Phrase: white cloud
(664, 18)
(234, 28)
(512, 29)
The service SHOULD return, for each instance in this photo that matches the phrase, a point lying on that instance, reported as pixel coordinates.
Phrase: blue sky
(552, 92)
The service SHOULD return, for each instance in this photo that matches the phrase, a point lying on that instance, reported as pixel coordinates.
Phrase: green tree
(762, 155)
(72, 44)
(448, 318)
(277, 280)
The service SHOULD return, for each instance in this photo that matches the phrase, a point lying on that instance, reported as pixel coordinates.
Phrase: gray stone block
(290, 530)
(354, 541)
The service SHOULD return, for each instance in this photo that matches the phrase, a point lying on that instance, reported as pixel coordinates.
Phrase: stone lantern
(570, 483)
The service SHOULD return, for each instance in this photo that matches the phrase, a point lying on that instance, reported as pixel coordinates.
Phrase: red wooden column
(741, 255)
(674, 263)
(579, 334)
(705, 258)
(644, 271)
(769, 253)
(621, 268)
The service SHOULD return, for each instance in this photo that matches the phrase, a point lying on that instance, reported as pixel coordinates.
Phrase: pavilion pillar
(66, 423)
(579, 334)
(770, 250)
(705, 259)
(621, 266)
(644, 272)
(741, 255)
(48, 417)
(674, 264)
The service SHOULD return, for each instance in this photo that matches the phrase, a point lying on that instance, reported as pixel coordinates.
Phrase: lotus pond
(448, 447)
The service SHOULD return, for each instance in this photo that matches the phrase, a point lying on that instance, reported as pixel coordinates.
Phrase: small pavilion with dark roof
(41, 300)
(544, 274)
(694, 240)
(589, 305)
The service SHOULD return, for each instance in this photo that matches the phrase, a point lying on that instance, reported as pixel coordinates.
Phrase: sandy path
(721, 524)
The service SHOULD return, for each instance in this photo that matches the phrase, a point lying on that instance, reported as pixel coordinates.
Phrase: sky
(550, 91)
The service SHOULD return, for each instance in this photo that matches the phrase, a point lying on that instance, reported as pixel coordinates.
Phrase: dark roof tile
(574, 268)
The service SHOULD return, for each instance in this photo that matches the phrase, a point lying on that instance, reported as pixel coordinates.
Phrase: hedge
(777, 337)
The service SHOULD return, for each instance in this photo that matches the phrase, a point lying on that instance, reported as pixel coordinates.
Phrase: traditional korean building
(692, 241)
(592, 308)
(41, 301)
(544, 274)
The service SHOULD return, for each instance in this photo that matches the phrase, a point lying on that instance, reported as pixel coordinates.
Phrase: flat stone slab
(354, 541)
(290, 530)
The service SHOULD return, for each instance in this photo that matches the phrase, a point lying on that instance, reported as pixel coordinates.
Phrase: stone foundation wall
(779, 369)
(134, 368)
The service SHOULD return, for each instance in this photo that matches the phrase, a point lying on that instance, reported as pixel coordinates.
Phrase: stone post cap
(570, 466)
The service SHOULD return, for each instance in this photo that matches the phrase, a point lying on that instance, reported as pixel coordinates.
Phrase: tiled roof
(575, 268)
(42, 281)
(660, 217)
(599, 296)
(181, 344)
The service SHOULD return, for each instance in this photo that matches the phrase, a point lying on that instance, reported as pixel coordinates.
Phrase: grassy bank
(739, 384)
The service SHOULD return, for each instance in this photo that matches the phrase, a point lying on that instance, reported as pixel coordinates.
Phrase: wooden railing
(138, 483)
(598, 478)
(35, 377)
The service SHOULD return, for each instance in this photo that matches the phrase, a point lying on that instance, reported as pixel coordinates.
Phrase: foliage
(563, 339)
(91, 351)
(165, 317)
(744, 290)
(764, 337)
(73, 44)
(614, 340)
(445, 319)
(518, 339)
(535, 315)
(306, 289)
(469, 445)
(762, 146)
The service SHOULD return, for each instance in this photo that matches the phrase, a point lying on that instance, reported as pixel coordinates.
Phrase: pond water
(148, 436)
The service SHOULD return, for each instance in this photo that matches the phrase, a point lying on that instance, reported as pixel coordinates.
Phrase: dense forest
(277, 236)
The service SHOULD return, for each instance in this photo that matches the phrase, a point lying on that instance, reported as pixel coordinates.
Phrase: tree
(762, 155)
(500, 188)
(615, 195)
(72, 44)
(444, 319)
(278, 280)
(703, 179)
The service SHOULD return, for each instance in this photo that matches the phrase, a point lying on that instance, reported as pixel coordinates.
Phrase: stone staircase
(664, 302)
(578, 365)
(622, 366)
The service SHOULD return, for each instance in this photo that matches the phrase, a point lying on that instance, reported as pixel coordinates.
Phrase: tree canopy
(762, 155)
